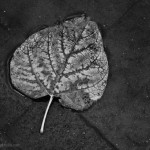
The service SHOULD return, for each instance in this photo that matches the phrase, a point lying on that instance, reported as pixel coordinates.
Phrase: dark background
(121, 118)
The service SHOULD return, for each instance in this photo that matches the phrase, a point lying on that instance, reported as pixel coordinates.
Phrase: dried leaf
(66, 60)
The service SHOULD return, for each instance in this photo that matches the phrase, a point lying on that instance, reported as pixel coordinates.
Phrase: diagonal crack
(123, 15)
(6, 128)
(98, 132)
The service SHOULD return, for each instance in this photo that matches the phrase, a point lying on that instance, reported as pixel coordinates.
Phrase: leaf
(66, 60)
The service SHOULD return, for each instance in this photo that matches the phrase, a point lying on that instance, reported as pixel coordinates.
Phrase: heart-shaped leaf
(66, 60)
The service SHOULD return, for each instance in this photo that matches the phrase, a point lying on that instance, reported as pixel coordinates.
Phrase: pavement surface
(120, 120)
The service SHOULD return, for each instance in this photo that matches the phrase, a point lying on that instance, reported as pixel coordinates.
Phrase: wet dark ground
(121, 118)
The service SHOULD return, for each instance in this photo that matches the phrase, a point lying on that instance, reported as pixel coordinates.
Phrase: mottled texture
(65, 60)
(121, 119)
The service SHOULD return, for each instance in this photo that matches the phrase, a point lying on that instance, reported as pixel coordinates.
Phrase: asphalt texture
(120, 120)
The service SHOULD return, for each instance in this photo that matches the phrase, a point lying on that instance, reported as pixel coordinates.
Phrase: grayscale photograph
(74, 75)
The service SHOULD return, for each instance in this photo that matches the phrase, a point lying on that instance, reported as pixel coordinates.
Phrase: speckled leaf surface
(120, 119)
(66, 60)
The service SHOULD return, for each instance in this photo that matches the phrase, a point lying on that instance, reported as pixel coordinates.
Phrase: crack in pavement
(98, 132)
(122, 16)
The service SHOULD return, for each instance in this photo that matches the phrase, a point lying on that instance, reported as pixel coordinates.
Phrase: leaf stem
(43, 122)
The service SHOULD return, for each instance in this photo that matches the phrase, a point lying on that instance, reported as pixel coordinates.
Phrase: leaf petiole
(43, 122)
